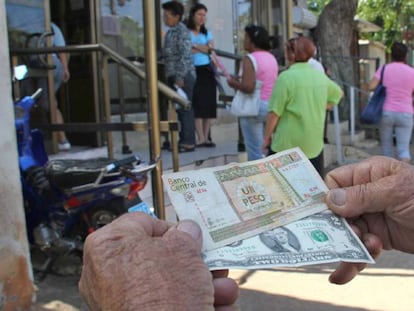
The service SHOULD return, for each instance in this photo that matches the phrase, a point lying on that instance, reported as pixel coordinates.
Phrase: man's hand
(377, 198)
(140, 263)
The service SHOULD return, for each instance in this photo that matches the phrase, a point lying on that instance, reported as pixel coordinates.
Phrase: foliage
(132, 35)
(394, 17)
(317, 6)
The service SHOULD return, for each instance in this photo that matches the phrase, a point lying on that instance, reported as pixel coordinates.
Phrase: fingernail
(190, 228)
(338, 197)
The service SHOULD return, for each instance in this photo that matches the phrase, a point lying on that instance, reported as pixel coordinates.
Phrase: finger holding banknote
(375, 196)
(141, 263)
(346, 271)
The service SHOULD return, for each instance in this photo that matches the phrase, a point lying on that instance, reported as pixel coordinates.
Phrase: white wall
(220, 23)
(16, 288)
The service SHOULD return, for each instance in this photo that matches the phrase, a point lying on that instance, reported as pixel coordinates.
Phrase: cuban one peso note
(319, 238)
(237, 201)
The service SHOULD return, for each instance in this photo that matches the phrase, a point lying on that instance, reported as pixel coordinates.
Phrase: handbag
(247, 105)
(373, 110)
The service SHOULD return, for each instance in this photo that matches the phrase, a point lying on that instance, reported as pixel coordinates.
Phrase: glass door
(24, 19)
(28, 22)
(242, 16)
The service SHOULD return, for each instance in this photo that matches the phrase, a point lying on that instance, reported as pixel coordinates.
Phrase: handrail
(163, 88)
(353, 91)
(347, 84)
(228, 55)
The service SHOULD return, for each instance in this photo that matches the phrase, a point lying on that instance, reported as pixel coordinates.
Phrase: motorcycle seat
(69, 173)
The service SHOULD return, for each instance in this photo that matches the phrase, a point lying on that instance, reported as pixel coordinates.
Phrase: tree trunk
(335, 36)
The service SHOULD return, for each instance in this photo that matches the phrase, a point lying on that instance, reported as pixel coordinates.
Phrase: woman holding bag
(256, 43)
(397, 112)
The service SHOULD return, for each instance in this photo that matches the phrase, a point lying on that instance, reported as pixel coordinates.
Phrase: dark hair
(259, 36)
(399, 52)
(300, 49)
(175, 7)
(190, 23)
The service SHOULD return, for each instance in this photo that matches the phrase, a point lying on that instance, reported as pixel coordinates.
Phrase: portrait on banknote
(316, 239)
(280, 240)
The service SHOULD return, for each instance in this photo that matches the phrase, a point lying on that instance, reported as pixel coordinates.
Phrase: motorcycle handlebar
(118, 163)
(138, 171)
(37, 94)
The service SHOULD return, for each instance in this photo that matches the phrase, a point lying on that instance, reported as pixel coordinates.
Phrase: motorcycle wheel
(102, 215)
(99, 216)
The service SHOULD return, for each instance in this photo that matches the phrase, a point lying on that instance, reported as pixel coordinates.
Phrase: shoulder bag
(373, 110)
(247, 105)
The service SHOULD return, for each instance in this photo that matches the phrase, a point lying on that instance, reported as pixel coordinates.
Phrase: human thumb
(359, 199)
(339, 201)
(187, 229)
(191, 228)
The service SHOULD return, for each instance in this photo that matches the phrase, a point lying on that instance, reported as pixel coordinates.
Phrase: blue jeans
(402, 124)
(187, 127)
(185, 116)
(253, 132)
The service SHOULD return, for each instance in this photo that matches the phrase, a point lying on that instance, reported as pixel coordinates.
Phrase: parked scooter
(65, 200)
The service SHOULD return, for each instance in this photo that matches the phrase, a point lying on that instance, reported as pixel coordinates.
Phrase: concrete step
(347, 141)
(343, 127)
(366, 144)
(359, 140)
(349, 154)
(343, 130)
(223, 117)
(346, 138)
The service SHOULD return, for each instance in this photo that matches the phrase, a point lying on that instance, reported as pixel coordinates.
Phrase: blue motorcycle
(65, 200)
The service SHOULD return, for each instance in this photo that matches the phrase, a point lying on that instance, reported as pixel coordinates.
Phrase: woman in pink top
(397, 116)
(256, 42)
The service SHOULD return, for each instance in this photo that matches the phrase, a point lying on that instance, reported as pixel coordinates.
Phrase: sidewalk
(224, 134)
(385, 286)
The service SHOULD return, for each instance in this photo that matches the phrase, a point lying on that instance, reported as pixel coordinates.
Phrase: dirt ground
(59, 293)
(384, 286)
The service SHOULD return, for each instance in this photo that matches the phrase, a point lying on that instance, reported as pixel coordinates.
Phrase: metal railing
(237, 59)
(106, 53)
(354, 95)
(109, 55)
(116, 57)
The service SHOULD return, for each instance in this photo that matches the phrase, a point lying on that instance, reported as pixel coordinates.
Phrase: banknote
(319, 238)
(239, 200)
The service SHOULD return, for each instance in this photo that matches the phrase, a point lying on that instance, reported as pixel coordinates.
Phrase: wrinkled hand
(377, 198)
(140, 263)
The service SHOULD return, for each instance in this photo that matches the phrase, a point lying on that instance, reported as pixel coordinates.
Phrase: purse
(373, 110)
(247, 105)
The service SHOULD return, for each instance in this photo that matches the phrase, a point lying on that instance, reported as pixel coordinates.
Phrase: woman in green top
(298, 105)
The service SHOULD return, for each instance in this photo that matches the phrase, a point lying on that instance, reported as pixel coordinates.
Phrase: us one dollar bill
(316, 239)
(237, 201)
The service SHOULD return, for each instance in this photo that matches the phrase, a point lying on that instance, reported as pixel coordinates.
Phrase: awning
(303, 18)
(365, 26)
